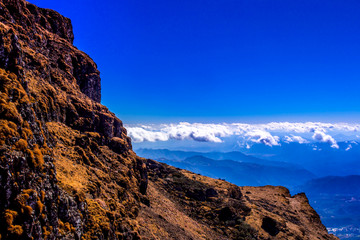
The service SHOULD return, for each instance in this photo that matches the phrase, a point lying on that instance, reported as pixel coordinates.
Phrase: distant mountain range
(337, 200)
(243, 173)
(234, 155)
(333, 185)
(234, 167)
(319, 158)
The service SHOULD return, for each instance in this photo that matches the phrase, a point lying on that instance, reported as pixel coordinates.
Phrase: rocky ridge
(67, 169)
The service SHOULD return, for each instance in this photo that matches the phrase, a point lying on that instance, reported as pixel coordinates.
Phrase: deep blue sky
(227, 60)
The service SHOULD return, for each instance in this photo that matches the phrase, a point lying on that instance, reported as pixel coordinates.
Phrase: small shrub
(7, 130)
(16, 230)
(28, 191)
(12, 125)
(42, 195)
(10, 215)
(26, 125)
(12, 76)
(28, 210)
(38, 157)
(61, 224)
(45, 150)
(26, 133)
(21, 145)
(39, 206)
(35, 157)
(46, 233)
(22, 198)
(67, 226)
(8, 111)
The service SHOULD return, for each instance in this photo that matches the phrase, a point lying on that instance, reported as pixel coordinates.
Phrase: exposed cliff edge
(67, 169)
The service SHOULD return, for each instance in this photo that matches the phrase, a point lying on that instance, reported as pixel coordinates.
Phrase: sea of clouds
(270, 134)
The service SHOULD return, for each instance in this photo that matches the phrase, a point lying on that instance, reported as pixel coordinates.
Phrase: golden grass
(71, 175)
(171, 214)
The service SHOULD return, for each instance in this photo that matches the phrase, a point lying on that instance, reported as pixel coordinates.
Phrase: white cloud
(197, 132)
(293, 138)
(139, 134)
(260, 136)
(323, 137)
(349, 147)
(268, 134)
(181, 131)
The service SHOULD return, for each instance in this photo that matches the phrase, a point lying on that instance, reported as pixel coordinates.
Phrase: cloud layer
(270, 134)
(323, 137)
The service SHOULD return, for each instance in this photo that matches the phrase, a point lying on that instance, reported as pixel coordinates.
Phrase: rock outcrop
(67, 169)
(184, 205)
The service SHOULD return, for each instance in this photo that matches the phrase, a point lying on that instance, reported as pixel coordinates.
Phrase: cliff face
(67, 170)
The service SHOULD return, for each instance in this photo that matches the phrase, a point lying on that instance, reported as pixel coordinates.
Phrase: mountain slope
(67, 169)
(185, 205)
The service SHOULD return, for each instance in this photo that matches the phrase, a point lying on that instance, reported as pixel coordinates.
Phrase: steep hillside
(184, 205)
(67, 169)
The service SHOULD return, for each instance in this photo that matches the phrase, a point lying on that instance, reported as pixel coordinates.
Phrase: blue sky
(229, 60)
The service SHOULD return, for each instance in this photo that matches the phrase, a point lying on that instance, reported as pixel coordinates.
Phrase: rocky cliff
(67, 169)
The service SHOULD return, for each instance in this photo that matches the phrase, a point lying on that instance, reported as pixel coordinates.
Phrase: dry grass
(166, 219)
(96, 175)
